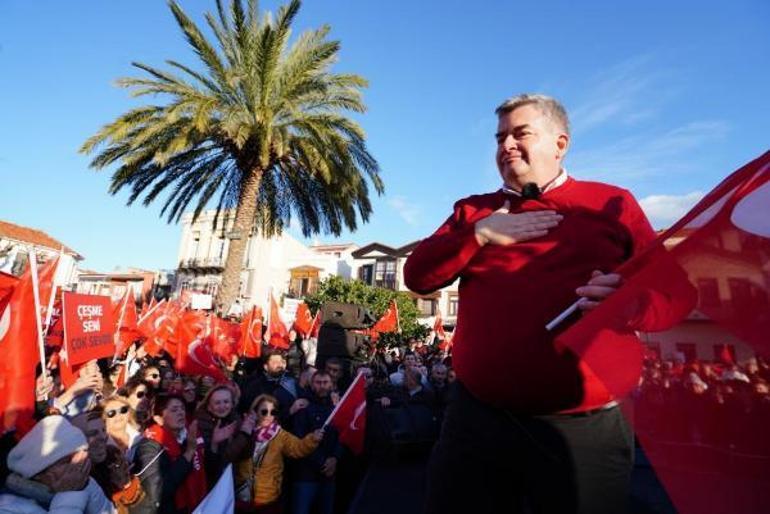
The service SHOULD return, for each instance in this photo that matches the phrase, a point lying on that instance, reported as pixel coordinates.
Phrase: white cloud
(659, 154)
(409, 212)
(663, 210)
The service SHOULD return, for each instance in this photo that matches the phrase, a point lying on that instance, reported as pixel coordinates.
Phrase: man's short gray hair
(547, 105)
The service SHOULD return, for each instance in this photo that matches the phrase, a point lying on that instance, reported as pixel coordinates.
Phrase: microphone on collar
(530, 191)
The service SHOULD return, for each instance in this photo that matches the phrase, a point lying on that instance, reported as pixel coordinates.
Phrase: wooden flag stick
(36, 297)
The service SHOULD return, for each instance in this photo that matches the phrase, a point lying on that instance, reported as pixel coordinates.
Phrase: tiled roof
(33, 236)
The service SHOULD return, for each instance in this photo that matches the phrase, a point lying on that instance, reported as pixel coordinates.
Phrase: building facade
(381, 265)
(114, 284)
(280, 264)
(15, 242)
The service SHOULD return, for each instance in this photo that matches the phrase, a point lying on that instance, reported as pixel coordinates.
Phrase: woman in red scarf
(169, 461)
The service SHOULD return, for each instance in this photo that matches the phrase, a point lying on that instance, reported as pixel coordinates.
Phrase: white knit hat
(51, 439)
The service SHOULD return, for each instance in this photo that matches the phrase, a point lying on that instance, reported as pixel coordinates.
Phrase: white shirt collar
(560, 179)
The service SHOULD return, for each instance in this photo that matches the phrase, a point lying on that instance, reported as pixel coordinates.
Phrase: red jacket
(502, 351)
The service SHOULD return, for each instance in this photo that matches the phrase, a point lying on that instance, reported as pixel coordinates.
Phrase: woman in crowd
(121, 427)
(151, 375)
(169, 461)
(138, 393)
(226, 441)
(109, 466)
(259, 477)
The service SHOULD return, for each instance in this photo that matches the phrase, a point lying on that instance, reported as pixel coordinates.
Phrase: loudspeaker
(345, 315)
(334, 341)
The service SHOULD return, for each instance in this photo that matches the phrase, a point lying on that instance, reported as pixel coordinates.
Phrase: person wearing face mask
(259, 476)
(169, 461)
(50, 470)
(219, 426)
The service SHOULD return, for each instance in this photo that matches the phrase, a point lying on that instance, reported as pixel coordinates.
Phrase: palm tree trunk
(244, 220)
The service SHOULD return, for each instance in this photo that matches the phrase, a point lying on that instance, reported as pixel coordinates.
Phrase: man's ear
(562, 145)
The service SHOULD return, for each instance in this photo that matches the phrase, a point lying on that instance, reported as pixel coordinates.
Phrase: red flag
(349, 416)
(158, 327)
(126, 331)
(315, 327)
(438, 327)
(19, 350)
(706, 274)
(303, 322)
(7, 283)
(250, 344)
(194, 357)
(223, 338)
(389, 321)
(279, 336)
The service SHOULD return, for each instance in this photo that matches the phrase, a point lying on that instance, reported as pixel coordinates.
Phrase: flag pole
(120, 321)
(561, 317)
(36, 298)
(49, 312)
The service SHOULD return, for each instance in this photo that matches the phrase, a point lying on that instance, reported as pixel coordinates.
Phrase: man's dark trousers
(489, 460)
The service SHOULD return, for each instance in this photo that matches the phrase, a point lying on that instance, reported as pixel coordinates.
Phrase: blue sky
(666, 98)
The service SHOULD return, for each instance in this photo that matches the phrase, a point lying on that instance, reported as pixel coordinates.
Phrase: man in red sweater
(529, 426)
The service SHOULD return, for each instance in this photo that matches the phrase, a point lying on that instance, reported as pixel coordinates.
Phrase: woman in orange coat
(259, 477)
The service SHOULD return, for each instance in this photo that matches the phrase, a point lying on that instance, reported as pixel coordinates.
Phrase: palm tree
(260, 128)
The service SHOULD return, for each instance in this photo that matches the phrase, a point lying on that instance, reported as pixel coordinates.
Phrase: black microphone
(530, 191)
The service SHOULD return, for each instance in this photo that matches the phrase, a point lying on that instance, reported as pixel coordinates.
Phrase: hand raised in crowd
(223, 433)
(329, 467)
(597, 289)
(503, 228)
(299, 404)
(385, 401)
(335, 396)
(318, 435)
(43, 388)
(192, 441)
(249, 422)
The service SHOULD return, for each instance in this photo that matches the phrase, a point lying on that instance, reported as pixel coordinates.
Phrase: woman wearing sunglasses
(258, 477)
(226, 440)
(117, 414)
(138, 393)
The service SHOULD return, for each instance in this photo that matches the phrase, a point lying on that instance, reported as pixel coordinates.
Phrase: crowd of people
(720, 405)
(159, 442)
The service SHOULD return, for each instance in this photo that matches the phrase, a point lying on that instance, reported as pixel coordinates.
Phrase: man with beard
(275, 381)
(315, 475)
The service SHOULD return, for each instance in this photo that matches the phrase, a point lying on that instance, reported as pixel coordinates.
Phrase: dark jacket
(284, 388)
(234, 449)
(307, 420)
(160, 478)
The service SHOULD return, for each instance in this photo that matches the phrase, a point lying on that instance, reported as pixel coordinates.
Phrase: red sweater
(502, 353)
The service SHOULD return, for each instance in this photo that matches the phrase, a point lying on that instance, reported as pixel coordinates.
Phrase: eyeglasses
(265, 412)
(113, 412)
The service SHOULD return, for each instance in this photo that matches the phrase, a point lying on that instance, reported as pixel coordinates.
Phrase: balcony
(206, 265)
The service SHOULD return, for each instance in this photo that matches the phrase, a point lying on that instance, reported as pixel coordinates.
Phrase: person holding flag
(533, 413)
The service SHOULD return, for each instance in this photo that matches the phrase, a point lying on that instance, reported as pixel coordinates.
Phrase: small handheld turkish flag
(349, 416)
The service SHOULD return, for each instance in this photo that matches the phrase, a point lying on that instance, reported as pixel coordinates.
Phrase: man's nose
(509, 142)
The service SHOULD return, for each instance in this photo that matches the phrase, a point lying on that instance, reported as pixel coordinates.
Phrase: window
(454, 302)
(385, 273)
(724, 353)
(427, 306)
(688, 350)
(708, 293)
(365, 273)
(740, 291)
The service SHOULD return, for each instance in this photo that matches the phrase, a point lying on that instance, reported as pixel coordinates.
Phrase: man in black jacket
(315, 474)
